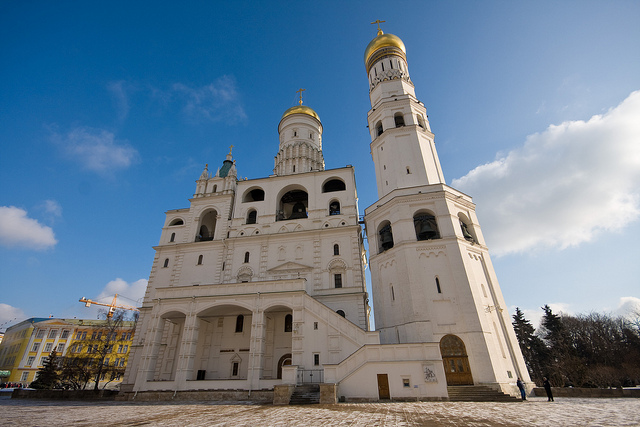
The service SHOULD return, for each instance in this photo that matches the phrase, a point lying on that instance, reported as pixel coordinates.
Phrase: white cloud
(18, 230)
(134, 292)
(534, 315)
(97, 150)
(52, 207)
(629, 307)
(10, 316)
(214, 102)
(564, 185)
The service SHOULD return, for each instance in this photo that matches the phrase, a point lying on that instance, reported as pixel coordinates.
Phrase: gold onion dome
(301, 109)
(383, 40)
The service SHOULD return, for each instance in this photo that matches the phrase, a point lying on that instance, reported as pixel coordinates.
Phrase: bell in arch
(465, 232)
(299, 211)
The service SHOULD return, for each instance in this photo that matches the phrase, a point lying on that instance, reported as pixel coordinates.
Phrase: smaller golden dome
(382, 40)
(301, 109)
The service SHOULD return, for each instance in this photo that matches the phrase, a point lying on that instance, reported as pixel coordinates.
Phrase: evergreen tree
(533, 349)
(563, 366)
(48, 376)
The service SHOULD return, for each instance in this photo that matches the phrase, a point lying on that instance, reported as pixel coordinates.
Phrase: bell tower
(432, 277)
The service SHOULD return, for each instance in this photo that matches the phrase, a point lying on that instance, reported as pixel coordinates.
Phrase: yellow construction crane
(112, 307)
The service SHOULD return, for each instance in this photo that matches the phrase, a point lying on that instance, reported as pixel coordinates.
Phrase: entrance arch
(455, 361)
(285, 360)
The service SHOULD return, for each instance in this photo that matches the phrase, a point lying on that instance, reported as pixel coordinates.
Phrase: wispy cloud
(10, 315)
(217, 101)
(564, 185)
(134, 292)
(18, 230)
(97, 149)
(120, 92)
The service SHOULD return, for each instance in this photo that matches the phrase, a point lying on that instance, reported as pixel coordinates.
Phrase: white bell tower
(432, 277)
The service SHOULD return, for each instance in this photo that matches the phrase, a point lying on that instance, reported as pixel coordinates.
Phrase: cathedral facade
(259, 285)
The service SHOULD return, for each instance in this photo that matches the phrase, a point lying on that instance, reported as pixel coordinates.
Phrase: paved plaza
(536, 411)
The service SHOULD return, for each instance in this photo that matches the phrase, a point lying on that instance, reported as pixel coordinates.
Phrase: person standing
(547, 388)
(520, 385)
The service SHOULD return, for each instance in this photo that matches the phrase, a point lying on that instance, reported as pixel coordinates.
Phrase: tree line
(585, 350)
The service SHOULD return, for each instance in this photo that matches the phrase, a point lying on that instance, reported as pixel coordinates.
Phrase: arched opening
(163, 363)
(334, 208)
(200, 258)
(207, 226)
(333, 185)
(420, 121)
(336, 249)
(246, 257)
(254, 195)
(176, 221)
(467, 230)
(379, 129)
(426, 226)
(341, 313)
(239, 323)
(385, 237)
(455, 361)
(293, 205)
(252, 217)
(173, 237)
(166, 263)
(285, 360)
(398, 118)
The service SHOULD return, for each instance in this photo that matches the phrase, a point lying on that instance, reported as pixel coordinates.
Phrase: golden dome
(383, 40)
(301, 109)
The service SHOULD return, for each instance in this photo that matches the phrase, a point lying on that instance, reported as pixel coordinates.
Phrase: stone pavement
(534, 412)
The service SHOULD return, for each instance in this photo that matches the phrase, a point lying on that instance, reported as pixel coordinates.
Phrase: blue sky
(109, 111)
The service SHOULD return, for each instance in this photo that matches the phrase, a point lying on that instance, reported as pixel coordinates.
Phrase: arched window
(207, 226)
(333, 185)
(341, 313)
(337, 280)
(239, 323)
(336, 249)
(288, 323)
(255, 195)
(379, 129)
(438, 286)
(200, 260)
(215, 188)
(176, 222)
(166, 263)
(399, 120)
(251, 218)
(425, 226)
(334, 208)
(466, 233)
(293, 205)
(420, 121)
(173, 237)
(246, 257)
(385, 237)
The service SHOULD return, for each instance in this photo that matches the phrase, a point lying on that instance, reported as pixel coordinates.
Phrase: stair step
(307, 394)
(478, 394)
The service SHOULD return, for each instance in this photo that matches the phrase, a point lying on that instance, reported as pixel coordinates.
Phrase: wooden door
(455, 361)
(383, 387)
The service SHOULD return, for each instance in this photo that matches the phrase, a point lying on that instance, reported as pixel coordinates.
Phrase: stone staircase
(477, 393)
(307, 394)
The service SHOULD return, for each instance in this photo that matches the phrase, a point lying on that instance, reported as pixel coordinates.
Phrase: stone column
(188, 348)
(150, 353)
(256, 348)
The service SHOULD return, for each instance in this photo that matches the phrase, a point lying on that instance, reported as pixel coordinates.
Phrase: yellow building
(28, 344)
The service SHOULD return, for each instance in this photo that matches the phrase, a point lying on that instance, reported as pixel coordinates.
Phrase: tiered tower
(432, 276)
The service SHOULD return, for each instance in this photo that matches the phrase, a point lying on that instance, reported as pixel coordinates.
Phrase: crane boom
(112, 307)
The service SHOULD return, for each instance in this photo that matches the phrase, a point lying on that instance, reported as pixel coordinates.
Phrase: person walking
(547, 388)
(520, 385)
